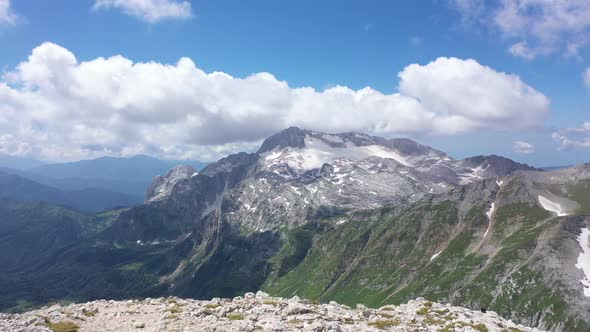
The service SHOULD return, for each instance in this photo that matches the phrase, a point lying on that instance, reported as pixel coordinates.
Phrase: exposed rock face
(299, 175)
(162, 186)
(255, 313)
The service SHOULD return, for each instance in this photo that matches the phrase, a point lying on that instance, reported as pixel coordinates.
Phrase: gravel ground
(253, 312)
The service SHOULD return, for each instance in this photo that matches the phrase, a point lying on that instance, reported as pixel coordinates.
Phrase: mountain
(31, 230)
(346, 217)
(517, 246)
(130, 176)
(299, 175)
(32, 234)
(21, 163)
(90, 200)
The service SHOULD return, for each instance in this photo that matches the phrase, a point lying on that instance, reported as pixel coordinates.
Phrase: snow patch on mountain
(551, 206)
(317, 152)
(489, 213)
(435, 255)
(584, 259)
(333, 138)
(475, 174)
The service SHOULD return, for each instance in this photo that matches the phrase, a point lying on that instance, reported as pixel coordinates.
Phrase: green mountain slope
(523, 268)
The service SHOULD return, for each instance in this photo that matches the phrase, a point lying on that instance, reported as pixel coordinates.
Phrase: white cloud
(55, 107)
(586, 77)
(462, 95)
(151, 11)
(577, 137)
(7, 16)
(521, 49)
(471, 10)
(537, 27)
(523, 147)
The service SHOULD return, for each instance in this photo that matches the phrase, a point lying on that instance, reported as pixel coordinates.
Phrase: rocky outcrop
(253, 312)
(162, 185)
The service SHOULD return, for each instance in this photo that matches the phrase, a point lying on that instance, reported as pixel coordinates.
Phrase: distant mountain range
(88, 200)
(20, 163)
(87, 185)
(346, 217)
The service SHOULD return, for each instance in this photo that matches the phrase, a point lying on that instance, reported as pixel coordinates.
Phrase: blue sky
(318, 44)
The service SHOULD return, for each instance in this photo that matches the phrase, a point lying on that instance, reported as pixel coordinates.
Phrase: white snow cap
(316, 153)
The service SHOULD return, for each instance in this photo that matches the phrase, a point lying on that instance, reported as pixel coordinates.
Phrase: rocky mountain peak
(291, 137)
(163, 185)
(294, 138)
(495, 166)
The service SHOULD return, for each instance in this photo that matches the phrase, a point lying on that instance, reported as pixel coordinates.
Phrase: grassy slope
(388, 262)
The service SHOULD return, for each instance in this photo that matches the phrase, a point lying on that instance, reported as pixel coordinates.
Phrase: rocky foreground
(253, 312)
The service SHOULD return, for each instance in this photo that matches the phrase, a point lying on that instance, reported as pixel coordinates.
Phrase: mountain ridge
(364, 222)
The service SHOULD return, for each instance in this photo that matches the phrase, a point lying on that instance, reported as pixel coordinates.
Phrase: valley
(349, 218)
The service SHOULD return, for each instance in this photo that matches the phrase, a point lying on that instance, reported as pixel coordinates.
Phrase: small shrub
(386, 315)
(441, 311)
(212, 305)
(423, 311)
(450, 317)
(63, 327)
(89, 313)
(174, 310)
(434, 321)
(428, 304)
(271, 302)
(384, 324)
(448, 328)
(235, 317)
(480, 327)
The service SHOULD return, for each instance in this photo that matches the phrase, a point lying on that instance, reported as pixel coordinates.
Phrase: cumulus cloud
(56, 107)
(537, 27)
(523, 147)
(576, 137)
(151, 11)
(7, 16)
